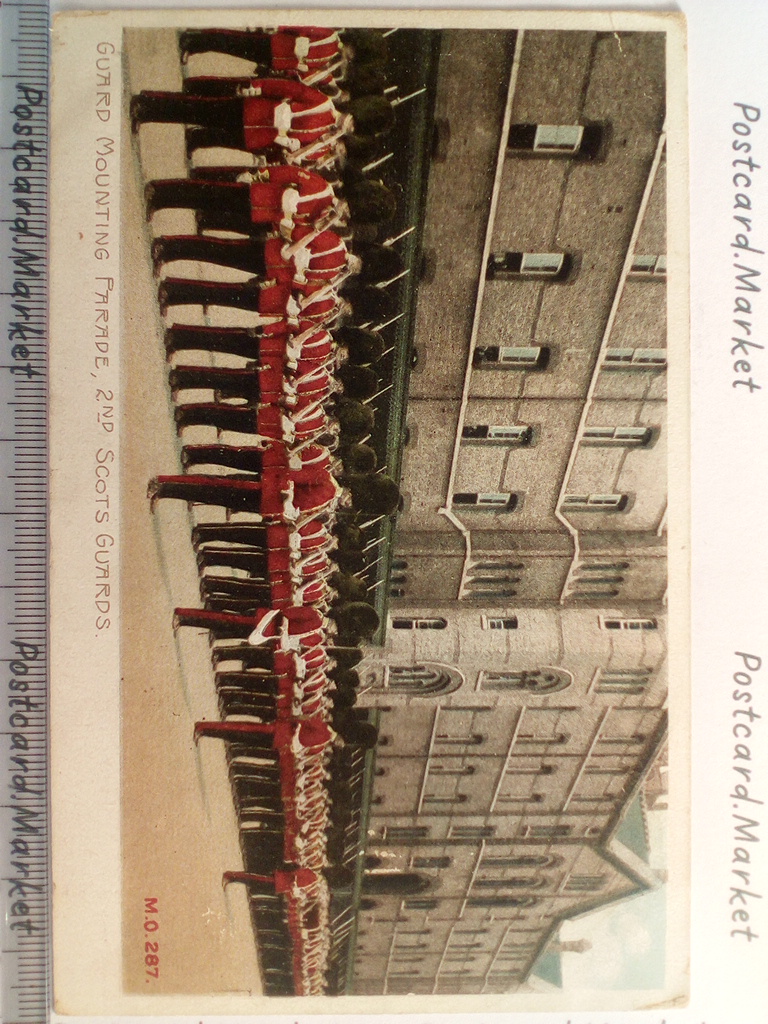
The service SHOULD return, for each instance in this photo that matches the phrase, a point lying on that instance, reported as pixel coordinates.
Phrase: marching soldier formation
(284, 561)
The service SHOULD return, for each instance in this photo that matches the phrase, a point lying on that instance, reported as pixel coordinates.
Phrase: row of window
(556, 266)
(522, 436)
(428, 678)
(536, 357)
(575, 883)
(409, 833)
(507, 501)
(510, 622)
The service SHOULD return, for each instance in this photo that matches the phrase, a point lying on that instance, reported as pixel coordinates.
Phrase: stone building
(521, 684)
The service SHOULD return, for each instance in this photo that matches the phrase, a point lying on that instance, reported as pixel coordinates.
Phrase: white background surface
(728, 63)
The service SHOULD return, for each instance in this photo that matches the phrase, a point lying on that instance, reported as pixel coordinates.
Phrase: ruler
(24, 764)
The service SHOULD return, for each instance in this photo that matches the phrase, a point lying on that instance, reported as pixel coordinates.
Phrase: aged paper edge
(85, 705)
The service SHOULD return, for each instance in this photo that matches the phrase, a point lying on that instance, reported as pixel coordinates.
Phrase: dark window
(510, 357)
(419, 903)
(595, 502)
(406, 833)
(630, 624)
(471, 831)
(540, 680)
(419, 623)
(489, 622)
(422, 680)
(619, 437)
(604, 567)
(497, 434)
(635, 359)
(489, 501)
(431, 862)
(502, 901)
(523, 861)
(508, 266)
(547, 831)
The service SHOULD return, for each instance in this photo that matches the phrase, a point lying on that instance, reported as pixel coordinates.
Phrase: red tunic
(322, 259)
(301, 877)
(312, 196)
(286, 113)
(308, 52)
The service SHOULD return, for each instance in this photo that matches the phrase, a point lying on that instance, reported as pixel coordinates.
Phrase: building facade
(521, 685)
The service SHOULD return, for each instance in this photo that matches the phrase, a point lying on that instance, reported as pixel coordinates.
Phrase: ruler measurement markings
(26, 957)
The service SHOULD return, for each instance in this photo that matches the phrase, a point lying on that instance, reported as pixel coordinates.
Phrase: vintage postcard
(370, 512)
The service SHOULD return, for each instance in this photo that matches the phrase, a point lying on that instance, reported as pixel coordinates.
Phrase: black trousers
(228, 199)
(222, 112)
(255, 591)
(239, 418)
(253, 562)
(264, 683)
(226, 381)
(234, 341)
(238, 606)
(177, 291)
(254, 46)
(245, 254)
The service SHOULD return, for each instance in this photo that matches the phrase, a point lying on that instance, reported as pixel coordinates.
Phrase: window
(419, 623)
(604, 567)
(510, 265)
(488, 596)
(420, 903)
(398, 577)
(430, 862)
(523, 861)
(595, 502)
(405, 833)
(620, 437)
(547, 831)
(631, 740)
(606, 623)
(422, 680)
(623, 680)
(551, 139)
(456, 798)
(489, 622)
(399, 564)
(490, 501)
(474, 739)
(497, 434)
(540, 680)
(471, 832)
(649, 266)
(397, 591)
(635, 359)
(585, 883)
(492, 581)
(510, 357)
(557, 737)
(496, 566)
(448, 769)
(544, 769)
(590, 581)
(579, 141)
(502, 901)
(508, 883)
